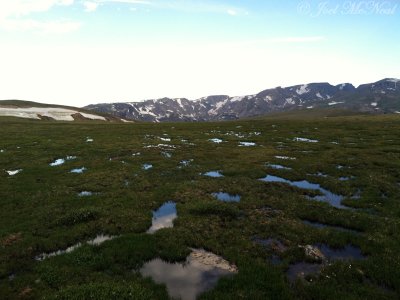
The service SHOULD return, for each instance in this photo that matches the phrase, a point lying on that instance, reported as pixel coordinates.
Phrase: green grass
(40, 210)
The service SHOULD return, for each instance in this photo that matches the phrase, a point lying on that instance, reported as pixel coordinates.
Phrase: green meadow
(356, 157)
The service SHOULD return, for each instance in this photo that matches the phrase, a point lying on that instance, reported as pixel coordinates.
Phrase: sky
(78, 52)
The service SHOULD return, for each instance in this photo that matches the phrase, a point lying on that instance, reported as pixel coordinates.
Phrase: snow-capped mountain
(381, 97)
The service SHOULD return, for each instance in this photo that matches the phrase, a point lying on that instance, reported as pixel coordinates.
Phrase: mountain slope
(41, 111)
(379, 97)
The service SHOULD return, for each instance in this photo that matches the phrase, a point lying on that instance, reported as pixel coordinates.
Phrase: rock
(314, 253)
(212, 260)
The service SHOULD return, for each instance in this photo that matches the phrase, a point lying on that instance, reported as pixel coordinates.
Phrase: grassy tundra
(357, 157)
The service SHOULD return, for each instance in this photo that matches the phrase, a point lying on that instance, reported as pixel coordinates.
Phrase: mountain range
(380, 97)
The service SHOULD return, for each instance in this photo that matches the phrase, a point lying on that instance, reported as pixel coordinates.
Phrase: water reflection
(163, 217)
(301, 270)
(348, 252)
(226, 197)
(78, 171)
(147, 166)
(186, 281)
(329, 197)
(278, 167)
(99, 239)
(213, 174)
(321, 225)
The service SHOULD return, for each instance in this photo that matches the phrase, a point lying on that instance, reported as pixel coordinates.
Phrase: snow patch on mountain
(59, 114)
(268, 98)
(303, 89)
(237, 98)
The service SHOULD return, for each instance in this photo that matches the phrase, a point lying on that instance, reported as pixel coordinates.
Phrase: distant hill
(50, 112)
(378, 98)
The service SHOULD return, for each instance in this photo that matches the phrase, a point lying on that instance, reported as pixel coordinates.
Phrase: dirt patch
(11, 239)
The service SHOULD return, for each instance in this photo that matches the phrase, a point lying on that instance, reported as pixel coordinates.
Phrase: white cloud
(90, 6)
(184, 6)
(14, 16)
(48, 27)
(18, 8)
(127, 1)
(303, 39)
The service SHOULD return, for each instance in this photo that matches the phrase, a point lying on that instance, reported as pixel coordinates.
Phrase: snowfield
(59, 114)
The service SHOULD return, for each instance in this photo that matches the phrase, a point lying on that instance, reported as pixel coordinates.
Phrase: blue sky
(79, 52)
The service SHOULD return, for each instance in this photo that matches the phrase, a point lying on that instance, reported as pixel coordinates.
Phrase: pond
(277, 167)
(225, 197)
(147, 166)
(78, 170)
(321, 225)
(199, 273)
(99, 239)
(329, 197)
(163, 217)
(213, 174)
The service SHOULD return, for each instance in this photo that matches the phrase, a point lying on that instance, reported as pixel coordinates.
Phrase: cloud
(48, 27)
(127, 1)
(18, 8)
(191, 6)
(304, 39)
(90, 6)
(14, 16)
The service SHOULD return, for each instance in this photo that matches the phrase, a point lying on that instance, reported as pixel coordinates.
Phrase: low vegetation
(41, 211)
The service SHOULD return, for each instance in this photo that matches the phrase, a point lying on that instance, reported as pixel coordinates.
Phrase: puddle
(273, 244)
(246, 144)
(346, 178)
(299, 139)
(319, 174)
(58, 162)
(85, 194)
(217, 141)
(99, 239)
(225, 197)
(347, 253)
(357, 195)
(166, 154)
(213, 174)
(78, 171)
(285, 157)
(275, 260)
(321, 225)
(199, 273)
(329, 197)
(301, 270)
(163, 217)
(14, 172)
(277, 167)
(147, 166)
(185, 163)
